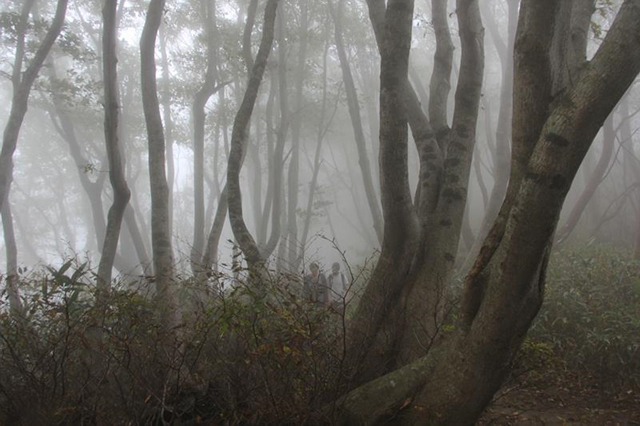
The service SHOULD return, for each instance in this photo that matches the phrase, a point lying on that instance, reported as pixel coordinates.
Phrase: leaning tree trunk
(121, 192)
(22, 83)
(242, 235)
(459, 375)
(160, 217)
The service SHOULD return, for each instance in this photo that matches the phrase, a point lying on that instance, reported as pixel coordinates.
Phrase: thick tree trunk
(457, 378)
(168, 121)
(160, 226)
(121, 193)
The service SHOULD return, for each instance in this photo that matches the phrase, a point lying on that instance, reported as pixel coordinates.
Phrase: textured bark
(356, 122)
(457, 378)
(22, 83)
(121, 193)
(502, 150)
(440, 85)
(596, 178)
(425, 297)
(238, 139)
(163, 263)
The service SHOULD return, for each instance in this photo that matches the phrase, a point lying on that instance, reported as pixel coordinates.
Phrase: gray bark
(238, 140)
(160, 218)
(121, 193)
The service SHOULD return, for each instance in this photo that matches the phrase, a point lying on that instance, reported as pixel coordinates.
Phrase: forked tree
(450, 379)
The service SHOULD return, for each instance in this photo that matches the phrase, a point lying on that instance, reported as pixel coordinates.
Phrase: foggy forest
(344, 212)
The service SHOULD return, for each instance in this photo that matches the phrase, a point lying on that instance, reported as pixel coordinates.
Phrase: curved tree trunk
(208, 89)
(22, 83)
(238, 139)
(460, 373)
(121, 193)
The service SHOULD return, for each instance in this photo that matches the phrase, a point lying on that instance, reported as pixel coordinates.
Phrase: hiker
(338, 285)
(315, 286)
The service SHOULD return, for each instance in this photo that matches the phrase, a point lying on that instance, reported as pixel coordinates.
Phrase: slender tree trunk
(502, 152)
(238, 140)
(11, 279)
(201, 98)
(160, 226)
(168, 121)
(356, 122)
(22, 83)
(121, 193)
(277, 163)
(294, 163)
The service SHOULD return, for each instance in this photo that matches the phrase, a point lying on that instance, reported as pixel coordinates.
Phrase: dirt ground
(563, 401)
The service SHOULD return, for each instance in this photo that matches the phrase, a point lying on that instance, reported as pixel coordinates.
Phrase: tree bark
(121, 192)
(238, 139)
(208, 89)
(459, 374)
(160, 228)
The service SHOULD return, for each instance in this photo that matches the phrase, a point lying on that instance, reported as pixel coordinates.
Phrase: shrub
(591, 313)
(239, 355)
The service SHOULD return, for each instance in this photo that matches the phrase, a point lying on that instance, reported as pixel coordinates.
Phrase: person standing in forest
(315, 286)
(337, 283)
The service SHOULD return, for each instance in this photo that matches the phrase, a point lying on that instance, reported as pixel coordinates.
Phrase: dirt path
(562, 404)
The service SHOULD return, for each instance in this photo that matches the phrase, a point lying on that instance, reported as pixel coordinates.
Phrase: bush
(591, 313)
(239, 356)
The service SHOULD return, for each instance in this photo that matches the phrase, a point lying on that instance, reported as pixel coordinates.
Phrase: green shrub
(591, 313)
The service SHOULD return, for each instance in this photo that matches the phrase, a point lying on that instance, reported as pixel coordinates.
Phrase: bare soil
(567, 399)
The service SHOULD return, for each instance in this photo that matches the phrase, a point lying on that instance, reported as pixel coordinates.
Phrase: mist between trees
(193, 158)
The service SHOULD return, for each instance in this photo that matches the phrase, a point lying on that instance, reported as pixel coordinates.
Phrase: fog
(60, 156)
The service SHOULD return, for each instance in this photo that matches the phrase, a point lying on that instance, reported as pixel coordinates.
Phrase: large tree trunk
(503, 292)
(121, 193)
(160, 218)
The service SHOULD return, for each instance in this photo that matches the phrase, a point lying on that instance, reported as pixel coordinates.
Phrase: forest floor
(562, 399)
